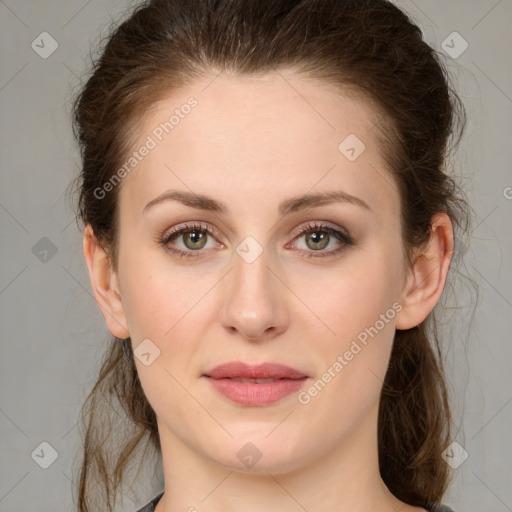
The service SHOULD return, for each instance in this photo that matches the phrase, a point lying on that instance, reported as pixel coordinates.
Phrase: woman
(268, 226)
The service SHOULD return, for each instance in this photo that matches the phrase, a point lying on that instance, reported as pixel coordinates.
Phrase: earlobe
(428, 274)
(104, 284)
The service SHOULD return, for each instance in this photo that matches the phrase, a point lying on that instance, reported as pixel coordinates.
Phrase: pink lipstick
(255, 385)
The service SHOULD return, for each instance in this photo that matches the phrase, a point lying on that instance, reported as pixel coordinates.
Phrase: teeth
(257, 381)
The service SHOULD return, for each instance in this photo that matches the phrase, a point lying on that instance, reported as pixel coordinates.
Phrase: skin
(252, 143)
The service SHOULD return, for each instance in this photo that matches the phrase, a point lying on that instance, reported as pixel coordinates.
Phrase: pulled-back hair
(369, 47)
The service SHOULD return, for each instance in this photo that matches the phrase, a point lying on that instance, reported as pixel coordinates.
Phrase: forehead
(277, 134)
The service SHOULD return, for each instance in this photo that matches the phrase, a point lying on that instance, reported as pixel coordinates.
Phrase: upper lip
(238, 369)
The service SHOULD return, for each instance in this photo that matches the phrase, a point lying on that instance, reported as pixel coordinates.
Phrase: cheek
(146, 303)
(154, 300)
(359, 306)
(353, 298)
(359, 309)
(159, 307)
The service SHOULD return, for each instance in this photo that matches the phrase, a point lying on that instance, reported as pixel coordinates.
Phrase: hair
(370, 47)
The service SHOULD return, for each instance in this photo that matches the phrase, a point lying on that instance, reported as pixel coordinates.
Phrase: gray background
(53, 333)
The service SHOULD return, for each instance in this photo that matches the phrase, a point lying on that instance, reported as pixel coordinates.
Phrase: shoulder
(150, 507)
(441, 508)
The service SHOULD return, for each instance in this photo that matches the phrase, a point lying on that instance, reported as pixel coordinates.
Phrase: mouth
(254, 381)
(252, 385)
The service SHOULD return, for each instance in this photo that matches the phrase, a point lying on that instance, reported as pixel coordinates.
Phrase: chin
(258, 453)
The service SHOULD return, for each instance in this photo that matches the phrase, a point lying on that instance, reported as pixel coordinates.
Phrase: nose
(255, 301)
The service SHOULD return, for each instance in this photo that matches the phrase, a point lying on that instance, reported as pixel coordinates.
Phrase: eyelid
(298, 231)
(190, 226)
(318, 224)
(338, 232)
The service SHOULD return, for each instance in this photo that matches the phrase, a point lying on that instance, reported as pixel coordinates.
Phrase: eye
(318, 236)
(194, 238)
(191, 240)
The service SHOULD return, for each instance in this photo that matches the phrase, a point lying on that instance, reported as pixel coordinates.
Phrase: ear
(427, 277)
(104, 284)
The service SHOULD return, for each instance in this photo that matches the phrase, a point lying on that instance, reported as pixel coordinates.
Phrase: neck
(345, 479)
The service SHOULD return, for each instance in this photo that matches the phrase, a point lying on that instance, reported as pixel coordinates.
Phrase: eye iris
(195, 237)
(320, 239)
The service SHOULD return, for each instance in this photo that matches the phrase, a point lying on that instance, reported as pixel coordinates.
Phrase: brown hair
(368, 46)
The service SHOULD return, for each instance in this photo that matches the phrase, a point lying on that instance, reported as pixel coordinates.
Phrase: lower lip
(253, 394)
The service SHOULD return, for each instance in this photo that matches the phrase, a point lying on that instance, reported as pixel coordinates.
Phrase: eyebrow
(294, 204)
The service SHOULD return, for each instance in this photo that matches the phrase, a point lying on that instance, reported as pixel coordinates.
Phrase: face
(259, 239)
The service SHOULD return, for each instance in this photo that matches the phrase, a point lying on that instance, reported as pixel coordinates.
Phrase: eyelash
(311, 228)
